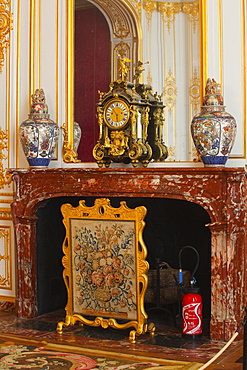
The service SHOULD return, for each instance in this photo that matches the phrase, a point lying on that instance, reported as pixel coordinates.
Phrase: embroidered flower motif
(104, 257)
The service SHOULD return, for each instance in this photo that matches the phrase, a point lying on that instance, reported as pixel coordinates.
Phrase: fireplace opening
(170, 225)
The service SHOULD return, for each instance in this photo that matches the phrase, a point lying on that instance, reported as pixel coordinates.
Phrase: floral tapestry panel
(104, 268)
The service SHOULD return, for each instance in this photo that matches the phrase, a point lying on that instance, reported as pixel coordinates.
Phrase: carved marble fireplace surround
(220, 191)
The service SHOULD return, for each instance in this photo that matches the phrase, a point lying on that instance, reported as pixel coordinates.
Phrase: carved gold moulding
(5, 28)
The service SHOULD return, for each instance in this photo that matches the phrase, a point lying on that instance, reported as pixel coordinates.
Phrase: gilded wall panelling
(5, 257)
(6, 25)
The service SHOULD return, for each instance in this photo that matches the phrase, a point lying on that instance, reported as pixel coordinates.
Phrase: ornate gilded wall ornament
(171, 154)
(149, 6)
(170, 92)
(5, 260)
(137, 4)
(120, 25)
(5, 177)
(149, 78)
(192, 9)
(168, 11)
(195, 91)
(5, 28)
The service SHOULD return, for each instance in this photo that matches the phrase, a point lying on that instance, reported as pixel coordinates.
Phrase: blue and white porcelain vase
(213, 129)
(39, 134)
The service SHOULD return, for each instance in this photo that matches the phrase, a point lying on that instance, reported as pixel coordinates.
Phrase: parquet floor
(167, 342)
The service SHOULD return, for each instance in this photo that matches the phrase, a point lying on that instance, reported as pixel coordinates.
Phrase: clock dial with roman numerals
(116, 114)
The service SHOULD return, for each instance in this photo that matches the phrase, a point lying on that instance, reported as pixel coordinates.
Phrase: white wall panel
(48, 54)
(233, 69)
(213, 29)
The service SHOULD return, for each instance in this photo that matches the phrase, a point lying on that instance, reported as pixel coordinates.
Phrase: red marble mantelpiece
(220, 191)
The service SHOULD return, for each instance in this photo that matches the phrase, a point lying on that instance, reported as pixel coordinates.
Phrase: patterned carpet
(20, 353)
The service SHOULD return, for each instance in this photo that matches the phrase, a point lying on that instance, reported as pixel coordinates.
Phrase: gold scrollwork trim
(149, 6)
(5, 28)
(5, 213)
(120, 26)
(170, 92)
(171, 154)
(195, 91)
(69, 155)
(5, 279)
(5, 177)
(169, 11)
(192, 9)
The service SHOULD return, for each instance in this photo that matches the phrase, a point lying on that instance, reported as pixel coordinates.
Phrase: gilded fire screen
(105, 266)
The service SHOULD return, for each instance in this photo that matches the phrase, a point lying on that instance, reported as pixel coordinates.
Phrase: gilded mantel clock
(130, 122)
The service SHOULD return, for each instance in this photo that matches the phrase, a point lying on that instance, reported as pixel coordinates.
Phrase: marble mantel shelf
(220, 191)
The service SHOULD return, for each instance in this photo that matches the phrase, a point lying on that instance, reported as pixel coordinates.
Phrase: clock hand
(115, 114)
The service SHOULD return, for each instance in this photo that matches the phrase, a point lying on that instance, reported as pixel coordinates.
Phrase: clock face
(116, 114)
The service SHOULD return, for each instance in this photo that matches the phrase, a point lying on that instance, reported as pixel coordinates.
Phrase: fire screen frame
(105, 266)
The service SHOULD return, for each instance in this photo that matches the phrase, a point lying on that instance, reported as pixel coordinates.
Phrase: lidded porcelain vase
(213, 129)
(39, 134)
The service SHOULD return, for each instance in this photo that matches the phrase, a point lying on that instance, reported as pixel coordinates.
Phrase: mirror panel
(126, 32)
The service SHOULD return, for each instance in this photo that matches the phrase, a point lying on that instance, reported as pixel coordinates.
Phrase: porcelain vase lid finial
(212, 93)
(39, 105)
(38, 96)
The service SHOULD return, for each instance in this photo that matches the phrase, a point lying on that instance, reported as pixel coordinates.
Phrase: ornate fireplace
(220, 191)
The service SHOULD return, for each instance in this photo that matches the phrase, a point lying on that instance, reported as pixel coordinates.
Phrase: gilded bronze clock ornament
(123, 68)
(130, 119)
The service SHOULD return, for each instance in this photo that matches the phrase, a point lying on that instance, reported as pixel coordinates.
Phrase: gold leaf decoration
(120, 25)
(171, 154)
(5, 27)
(149, 6)
(5, 279)
(192, 9)
(168, 11)
(195, 91)
(170, 92)
(5, 178)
